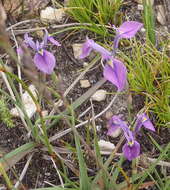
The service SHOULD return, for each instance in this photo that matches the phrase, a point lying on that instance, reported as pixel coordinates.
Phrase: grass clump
(96, 12)
(5, 115)
(149, 75)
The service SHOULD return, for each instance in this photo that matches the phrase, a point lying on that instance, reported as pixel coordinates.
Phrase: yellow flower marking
(110, 63)
(41, 52)
(144, 119)
(130, 143)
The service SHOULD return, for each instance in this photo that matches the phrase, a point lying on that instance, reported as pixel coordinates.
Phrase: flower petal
(116, 74)
(20, 51)
(45, 62)
(53, 41)
(29, 41)
(90, 45)
(86, 50)
(143, 119)
(129, 29)
(114, 123)
(131, 152)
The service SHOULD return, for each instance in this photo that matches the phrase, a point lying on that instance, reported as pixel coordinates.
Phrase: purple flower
(115, 71)
(44, 60)
(90, 45)
(143, 120)
(131, 149)
(126, 30)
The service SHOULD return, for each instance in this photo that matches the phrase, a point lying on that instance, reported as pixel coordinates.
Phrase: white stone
(105, 145)
(85, 64)
(99, 95)
(28, 103)
(161, 14)
(52, 15)
(140, 7)
(98, 127)
(143, 30)
(77, 50)
(84, 83)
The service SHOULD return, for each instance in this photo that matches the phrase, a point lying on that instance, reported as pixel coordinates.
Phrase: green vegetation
(96, 12)
(5, 115)
(148, 75)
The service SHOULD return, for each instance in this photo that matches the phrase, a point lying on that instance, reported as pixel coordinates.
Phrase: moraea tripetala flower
(127, 30)
(131, 149)
(143, 120)
(115, 71)
(44, 60)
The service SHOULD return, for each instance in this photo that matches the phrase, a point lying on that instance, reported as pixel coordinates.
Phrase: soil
(41, 172)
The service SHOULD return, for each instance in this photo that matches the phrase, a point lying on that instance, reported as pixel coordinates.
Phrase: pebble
(99, 95)
(143, 30)
(29, 104)
(140, 7)
(84, 83)
(77, 50)
(106, 145)
(52, 15)
(85, 64)
(98, 127)
(161, 14)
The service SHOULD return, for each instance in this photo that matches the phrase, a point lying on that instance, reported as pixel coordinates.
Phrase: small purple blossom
(143, 120)
(115, 71)
(90, 45)
(44, 60)
(127, 30)
(131, 149)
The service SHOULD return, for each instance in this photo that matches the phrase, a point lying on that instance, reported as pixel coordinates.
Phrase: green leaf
(10, 159)
(84, 179)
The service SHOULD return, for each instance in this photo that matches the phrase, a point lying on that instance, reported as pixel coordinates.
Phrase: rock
(28, 103)
(140, 7)
(161, 14)
(143, 30)
(106, 145)
(84, 83)
(85, 64)
(52, 15)
(77, 50)
(99, 95)
(116, 133)
(98, 127)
